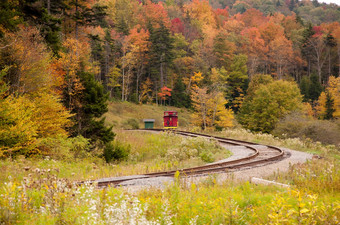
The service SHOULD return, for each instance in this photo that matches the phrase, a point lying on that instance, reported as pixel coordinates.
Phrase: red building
(170, 119)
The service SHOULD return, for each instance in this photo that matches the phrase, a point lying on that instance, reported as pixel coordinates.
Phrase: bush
(131, 124)
(80, 146)
(296, 125)
(116, 151)
(201, 148)
(64, 148)
(207, 157)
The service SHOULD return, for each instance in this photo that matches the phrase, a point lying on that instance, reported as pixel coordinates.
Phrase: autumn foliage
(66, 58)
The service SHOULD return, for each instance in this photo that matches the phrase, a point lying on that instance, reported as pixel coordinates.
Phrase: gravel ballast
(244, 175)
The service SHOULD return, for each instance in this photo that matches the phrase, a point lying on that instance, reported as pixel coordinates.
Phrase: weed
(131, 124)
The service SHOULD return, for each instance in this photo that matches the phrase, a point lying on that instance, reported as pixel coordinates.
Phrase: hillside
(128, 115)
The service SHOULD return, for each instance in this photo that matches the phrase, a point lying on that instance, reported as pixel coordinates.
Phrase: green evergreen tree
(237, 80)
(305, 85)
(88, 120)
(47, 17)
(315, 88)
(179, 96)
(94, 106)
(329, 106)
(291, 5)
(299, 19)
(316, 3)
(10, 16)
(278, 3)
(222, 51)
(161, 52)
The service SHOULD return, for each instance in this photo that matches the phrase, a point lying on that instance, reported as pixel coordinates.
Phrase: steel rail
(249, 161)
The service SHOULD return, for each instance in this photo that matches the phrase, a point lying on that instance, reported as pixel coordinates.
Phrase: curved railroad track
(262, 155)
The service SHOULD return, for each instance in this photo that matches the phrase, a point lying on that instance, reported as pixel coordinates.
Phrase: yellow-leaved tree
(146, 92)
(329, 101)
(30, 108)
(209, 104)
(28, 119)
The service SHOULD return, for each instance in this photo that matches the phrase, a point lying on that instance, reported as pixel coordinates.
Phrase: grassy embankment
(128, 115)
(39, 192)
(148, 152)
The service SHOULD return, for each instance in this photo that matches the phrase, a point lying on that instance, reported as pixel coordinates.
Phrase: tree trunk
(139, 74)
(79, 121)
(76, 28)
(106, 66)
(329, 65)
(339, 58)
(204, 115)
(49, 7)
(161, 70)
(214, 114)
(123, 82)
(156, 94)
(308, 67)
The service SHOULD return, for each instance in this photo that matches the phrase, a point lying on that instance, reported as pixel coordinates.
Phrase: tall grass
(56, 201)
(39, 191)
(164, 151)
(148, 153)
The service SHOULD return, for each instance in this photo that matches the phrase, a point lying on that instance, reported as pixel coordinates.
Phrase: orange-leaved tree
(29, 60)
(165, 94)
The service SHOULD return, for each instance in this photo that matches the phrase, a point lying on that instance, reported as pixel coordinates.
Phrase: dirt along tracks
(248, 160)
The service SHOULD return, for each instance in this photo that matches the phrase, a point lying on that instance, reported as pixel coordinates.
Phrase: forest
(77, 75)
(270, 66)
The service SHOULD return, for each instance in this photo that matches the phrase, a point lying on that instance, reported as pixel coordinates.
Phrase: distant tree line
(207, 56)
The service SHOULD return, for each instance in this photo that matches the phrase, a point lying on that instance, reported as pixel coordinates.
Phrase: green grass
(149, 153)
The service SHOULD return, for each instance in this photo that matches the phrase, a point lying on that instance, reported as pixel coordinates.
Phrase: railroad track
(261, 155)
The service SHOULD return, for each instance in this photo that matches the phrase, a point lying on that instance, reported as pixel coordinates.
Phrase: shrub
(207, 151)
(131, 124)
(116, 151)
(296, 125)
(65, 148)
(80, 146)
(207, 157)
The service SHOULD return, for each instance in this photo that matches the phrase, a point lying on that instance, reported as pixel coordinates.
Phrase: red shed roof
(170, 113)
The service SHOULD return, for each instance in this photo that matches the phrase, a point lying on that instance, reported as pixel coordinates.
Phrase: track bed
(261, 155)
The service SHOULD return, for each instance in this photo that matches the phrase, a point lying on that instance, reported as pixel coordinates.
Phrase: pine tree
(291, 5)
(94, 105)
(315, 88)
(47, 17)
(329, 106)
(179, 96)
(305, 85)
(161, 51)
(9, 16)
(237, 81)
